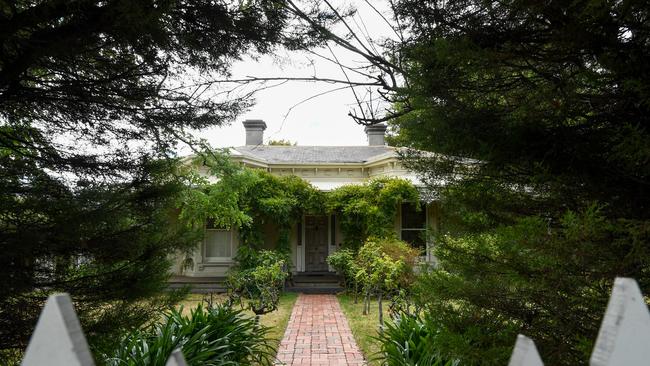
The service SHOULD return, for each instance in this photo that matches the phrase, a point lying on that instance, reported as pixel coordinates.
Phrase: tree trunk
(366, 303)
(381, 313)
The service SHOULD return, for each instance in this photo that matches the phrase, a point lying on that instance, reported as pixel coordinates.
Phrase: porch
(310, 240)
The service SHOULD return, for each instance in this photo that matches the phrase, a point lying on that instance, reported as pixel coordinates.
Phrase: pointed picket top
(525, 353)
(58, 338)
(176, 359)
(624, 334)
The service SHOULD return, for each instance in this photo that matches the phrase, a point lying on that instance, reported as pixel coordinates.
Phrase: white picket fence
(623, 339)
(58, 339)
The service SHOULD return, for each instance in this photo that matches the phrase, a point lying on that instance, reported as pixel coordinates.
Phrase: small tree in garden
(367, 211)
(258, 279)
(385, 266)
(343, 262)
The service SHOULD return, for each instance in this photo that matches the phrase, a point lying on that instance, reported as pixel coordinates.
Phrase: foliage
(537, 115)
(207, 336)
(535, 286)
(247, 199)
(409, 340)
(219, 201)
(538, 94)
(107, 246)
(369, 209)
(93, 98)
(385, 265)
(282, 143)
(258, 279)
(343, 263)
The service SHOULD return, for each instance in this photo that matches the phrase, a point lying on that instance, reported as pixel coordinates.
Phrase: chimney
(254, 131)
(376, 134)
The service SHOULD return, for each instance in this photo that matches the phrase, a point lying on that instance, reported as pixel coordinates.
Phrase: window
(217, 242)
(414, 225)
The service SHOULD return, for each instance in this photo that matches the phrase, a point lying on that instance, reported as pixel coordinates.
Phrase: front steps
(308, 283)
(199, 285)
(315, 283)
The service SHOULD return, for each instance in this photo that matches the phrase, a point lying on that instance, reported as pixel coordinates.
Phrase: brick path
(318, 334)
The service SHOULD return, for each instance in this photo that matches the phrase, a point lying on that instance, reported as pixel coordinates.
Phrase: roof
(315, 154)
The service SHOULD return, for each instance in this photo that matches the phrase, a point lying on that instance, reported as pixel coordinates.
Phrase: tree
(538, 115)
(530, 122)
(94, 95)
(384, 266)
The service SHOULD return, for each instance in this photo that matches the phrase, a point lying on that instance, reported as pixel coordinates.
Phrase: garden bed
(276, 320)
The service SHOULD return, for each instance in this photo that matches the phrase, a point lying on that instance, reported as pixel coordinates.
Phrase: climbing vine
(370, 209)
(247, 199)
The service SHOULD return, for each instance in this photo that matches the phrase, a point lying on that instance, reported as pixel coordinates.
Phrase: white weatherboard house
(326, 168)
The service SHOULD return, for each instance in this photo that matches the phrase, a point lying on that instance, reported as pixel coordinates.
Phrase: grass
(364, 327)
(276, 320)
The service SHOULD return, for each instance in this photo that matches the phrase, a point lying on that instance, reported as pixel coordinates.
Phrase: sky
(322, 120)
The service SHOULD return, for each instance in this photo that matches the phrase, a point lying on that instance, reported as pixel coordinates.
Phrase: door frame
(302, 244)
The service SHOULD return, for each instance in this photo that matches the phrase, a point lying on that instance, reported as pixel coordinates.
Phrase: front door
(316, 235)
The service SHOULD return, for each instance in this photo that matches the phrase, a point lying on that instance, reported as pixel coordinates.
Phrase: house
(326, 168)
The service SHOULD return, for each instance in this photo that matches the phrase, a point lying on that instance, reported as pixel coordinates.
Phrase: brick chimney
(254, 131)
(376, 134)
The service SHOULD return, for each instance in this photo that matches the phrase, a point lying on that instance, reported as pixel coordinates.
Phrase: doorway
(316, 243)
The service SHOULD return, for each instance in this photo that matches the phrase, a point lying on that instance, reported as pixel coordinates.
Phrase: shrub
(208, 336)
(258, 279)
(385, 265)
(343, 262)
(410, 340)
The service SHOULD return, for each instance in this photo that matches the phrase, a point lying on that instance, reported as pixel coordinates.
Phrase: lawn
(276, 320)
(364, 327)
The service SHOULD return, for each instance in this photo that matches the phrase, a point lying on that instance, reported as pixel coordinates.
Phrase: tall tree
(538, 113)
(93, 97)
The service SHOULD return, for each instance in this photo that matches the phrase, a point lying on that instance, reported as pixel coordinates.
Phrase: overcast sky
(322, 120)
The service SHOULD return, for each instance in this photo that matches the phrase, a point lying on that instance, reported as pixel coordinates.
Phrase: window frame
(424, 228)
(206, 258)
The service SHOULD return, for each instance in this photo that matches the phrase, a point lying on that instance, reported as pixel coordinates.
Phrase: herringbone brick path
(318, 334)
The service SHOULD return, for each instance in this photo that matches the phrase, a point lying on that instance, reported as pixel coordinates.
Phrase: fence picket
(624, 336)
(58, 338)
(525, 353)
(176, 359)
